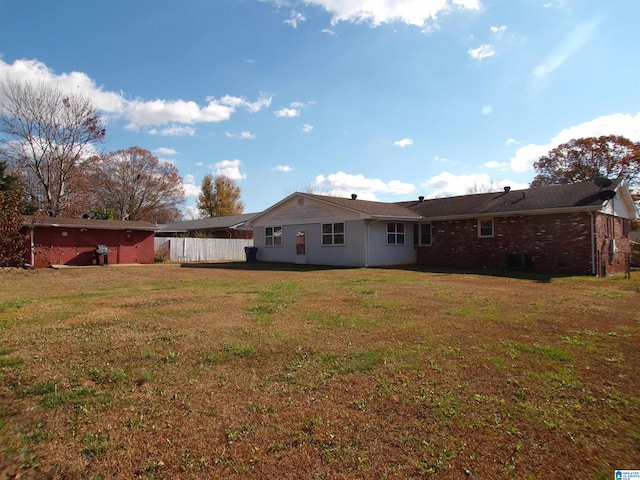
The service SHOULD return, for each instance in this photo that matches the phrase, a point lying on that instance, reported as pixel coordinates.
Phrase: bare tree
(135, 185)
(220, 197)
(48, 135)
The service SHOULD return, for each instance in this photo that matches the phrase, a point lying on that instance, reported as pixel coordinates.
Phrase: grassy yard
(245, 371)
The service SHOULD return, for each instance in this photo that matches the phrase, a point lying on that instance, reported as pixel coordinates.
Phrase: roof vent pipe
(353, 196)
(421, 198)
(507, 189)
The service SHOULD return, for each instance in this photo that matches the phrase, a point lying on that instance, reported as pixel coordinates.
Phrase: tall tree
(135, 185)
(12, 235)
(220, 197)
(48, 135)
(584, 159)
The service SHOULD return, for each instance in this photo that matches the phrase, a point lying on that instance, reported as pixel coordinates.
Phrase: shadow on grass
(290, 267)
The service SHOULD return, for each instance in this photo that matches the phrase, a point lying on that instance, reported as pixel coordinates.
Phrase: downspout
(366, 246)
(593, 245)
(33, 253)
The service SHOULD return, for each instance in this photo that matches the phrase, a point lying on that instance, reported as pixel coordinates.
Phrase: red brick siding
(76, 246)
(610, 261)
(557, 243)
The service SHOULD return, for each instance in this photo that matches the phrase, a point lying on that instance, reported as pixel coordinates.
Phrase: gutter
(593, 244)
(591, 209)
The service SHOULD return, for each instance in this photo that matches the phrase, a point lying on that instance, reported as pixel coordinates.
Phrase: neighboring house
(579, 229)
(233, 226)
(73, 241)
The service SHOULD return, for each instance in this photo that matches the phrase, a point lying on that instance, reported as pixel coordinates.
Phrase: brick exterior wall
(558, 243)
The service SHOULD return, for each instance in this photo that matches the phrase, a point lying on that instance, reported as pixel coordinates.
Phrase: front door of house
(301, 247)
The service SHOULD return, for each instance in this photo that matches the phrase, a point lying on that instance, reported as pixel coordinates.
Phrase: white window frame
(333, 234)
(396, 233)
(274, 238)
(481, 227)
(419, 238)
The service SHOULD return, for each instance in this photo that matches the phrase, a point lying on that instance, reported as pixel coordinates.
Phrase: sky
(388, 99)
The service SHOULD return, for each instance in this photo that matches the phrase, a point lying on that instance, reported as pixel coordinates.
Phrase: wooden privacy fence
(203, 249)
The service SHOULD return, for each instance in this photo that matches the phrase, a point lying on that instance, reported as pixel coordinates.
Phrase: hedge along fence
(202, 249)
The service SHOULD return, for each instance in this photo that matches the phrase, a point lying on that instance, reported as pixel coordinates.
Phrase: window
(273, 236)
(422, 234)
(395, 233)
(485, 227)
(333, 234)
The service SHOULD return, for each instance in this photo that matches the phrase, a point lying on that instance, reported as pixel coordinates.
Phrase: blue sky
(387, 99)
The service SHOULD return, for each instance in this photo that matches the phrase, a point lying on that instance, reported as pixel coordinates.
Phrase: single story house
(232, 226)
(581, 228)
(73, 241)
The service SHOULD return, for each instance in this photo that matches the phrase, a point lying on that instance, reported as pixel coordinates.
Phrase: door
(301, 246)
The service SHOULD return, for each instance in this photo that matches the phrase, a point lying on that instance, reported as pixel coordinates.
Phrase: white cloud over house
(137, 112)
(626, 125)
(375, 13)
(448, 184)
(343, 184)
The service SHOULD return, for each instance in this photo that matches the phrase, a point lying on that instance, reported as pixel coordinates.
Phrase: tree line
(49, 145)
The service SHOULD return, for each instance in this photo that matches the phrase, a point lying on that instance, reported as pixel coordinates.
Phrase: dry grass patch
(259, 371)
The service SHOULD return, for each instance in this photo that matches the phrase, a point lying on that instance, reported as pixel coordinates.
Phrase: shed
(73, 241)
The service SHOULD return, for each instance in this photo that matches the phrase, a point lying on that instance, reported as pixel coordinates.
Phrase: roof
(211, 223)
(586, 196)
(374, 209)
(89, 223)
(371, 209)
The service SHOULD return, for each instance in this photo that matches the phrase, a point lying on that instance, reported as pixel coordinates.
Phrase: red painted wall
(559, 243)
(76, 246)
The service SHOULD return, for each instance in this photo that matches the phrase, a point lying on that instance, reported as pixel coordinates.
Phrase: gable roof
(586, 196)
(234, 222)
(366, 208)
(88, 223)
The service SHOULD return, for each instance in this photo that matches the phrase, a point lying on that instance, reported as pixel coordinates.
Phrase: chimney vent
(353, 196)
(507, 189)
(421, 198)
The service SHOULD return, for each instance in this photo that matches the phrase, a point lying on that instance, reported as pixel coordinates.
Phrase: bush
(161, 255)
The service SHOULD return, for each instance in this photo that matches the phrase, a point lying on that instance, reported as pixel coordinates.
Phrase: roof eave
(544, 211)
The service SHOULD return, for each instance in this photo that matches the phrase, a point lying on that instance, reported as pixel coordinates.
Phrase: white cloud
(294, 18)
(487, 109)
(307, 128)
(175, 131)
(511, 141)
(190, 187)
(342, 183)
(245, 135)
(440, 159)
(328, 31)
(626, 125)
(405, 142)
(229, 168)
(138, 112)
(498, 31)
(447, 184)
(282, 168)
(375, 12)
(497, 165)
(482, 52)
(576, 39)
(165, 151)
(287, 113)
